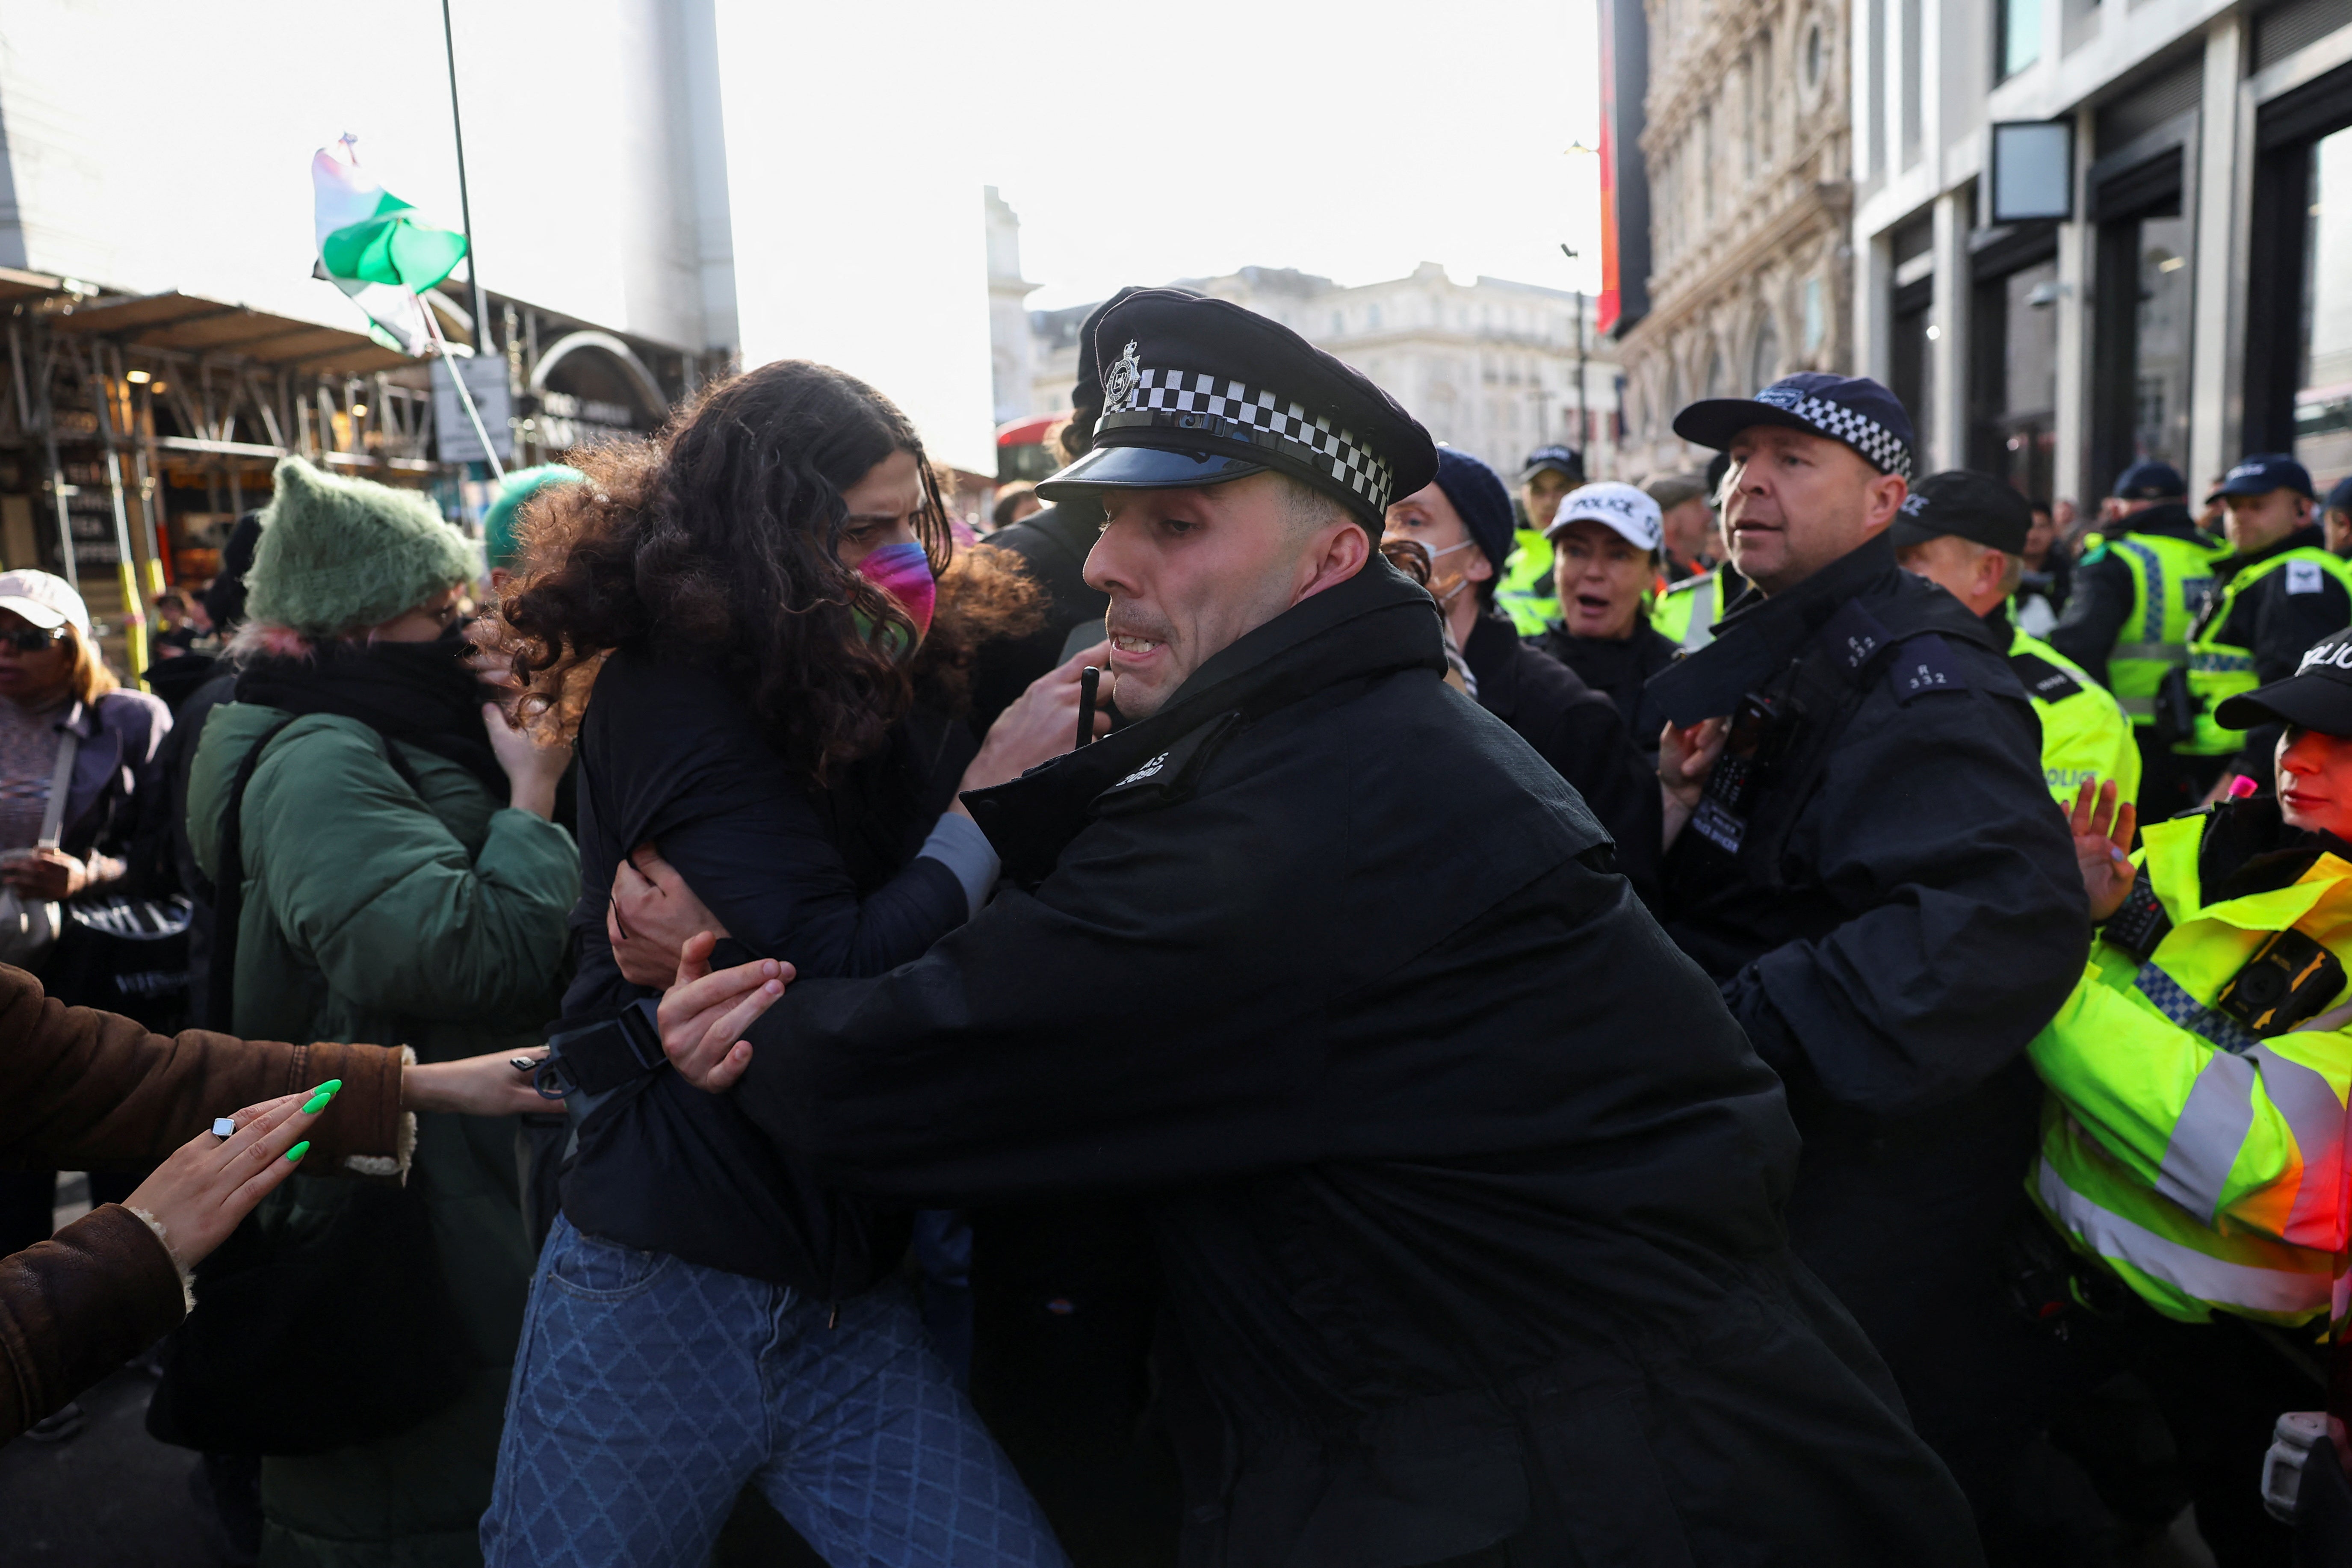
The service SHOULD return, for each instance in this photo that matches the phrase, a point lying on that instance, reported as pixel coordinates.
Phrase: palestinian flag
(371, 248)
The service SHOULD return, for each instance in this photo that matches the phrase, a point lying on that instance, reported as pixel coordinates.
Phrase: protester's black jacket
(1902, 915)
(825, 880)
(1579, 731)
(2277, 624)
(2099, 597)
(1052, 545)
(1465, 1187)
(1620, 666)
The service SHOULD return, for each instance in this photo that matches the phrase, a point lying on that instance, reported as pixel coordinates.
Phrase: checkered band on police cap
(1140, 394)
(1884, 448)
(1854, 410)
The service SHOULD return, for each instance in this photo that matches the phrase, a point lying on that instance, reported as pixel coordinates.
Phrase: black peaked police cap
(1853, 409)
(2317, 695)
(1199, 391)
(1976, 506)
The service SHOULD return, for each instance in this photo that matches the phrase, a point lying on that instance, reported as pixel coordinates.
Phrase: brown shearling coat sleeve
(92, 1090)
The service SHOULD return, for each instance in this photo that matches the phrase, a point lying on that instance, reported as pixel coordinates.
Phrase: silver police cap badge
(1122, 380)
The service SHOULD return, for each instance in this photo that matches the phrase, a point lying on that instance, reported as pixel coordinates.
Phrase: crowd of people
(1296, 1001)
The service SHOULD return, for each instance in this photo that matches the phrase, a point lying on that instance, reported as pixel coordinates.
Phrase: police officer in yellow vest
(2138, 586)
(1967, 532)
(2193, 1137)
(1526, 593)
(2278, 592)
(1686, 612)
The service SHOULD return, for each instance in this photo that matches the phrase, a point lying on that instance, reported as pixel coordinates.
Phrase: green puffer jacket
(438, 923)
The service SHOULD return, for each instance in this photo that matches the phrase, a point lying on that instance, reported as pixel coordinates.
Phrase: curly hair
(716, 543)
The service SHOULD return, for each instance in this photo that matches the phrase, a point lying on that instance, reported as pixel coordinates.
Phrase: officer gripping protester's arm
(1964, 532)
(2193, 1145)
(2139, 585)
(1456, 1273)
(1865, 856)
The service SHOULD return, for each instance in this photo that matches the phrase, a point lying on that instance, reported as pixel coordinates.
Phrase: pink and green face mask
(904, 571)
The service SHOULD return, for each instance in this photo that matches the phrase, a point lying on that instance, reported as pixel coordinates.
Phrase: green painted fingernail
(317, 1101)
(299, 1150)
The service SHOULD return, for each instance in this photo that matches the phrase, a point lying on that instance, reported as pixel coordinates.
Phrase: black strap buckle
(595, 1058)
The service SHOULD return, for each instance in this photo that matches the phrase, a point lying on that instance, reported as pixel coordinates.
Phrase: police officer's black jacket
(2099, 600)
(1901, 915)
(2277, 617)
(1578, 731)
(1465, 1186)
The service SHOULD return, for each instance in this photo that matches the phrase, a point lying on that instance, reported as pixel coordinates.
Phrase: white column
(1947, 364)
(2077, 270)
(2215, 402)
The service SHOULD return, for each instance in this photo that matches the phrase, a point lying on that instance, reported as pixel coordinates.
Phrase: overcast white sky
(1352, 140)
(1138, 143)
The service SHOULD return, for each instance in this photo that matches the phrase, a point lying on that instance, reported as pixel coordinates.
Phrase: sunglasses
(32, 640)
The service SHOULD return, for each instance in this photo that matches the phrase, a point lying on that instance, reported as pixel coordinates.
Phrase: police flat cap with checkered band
(1199, 391)
(1852, 409)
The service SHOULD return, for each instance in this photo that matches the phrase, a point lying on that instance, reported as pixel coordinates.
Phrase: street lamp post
(1583, 416)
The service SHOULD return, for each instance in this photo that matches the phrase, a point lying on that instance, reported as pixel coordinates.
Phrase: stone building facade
(1748, 148)
(1489, 367)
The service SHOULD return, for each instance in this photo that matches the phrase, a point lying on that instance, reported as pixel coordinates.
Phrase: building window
(2140, 330)
(1764, 98)
(1718, 381)
(2323, 396)
(1817, 316)
(1372, 318)
(2020, 36)
(1338, 322)
(1814, 50)
(2014, 376)
(2298, 314)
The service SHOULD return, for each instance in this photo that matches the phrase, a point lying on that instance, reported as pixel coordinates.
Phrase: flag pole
(441, 347)
(465, 201)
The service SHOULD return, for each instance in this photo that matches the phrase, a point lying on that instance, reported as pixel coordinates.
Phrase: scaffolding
(113, 400)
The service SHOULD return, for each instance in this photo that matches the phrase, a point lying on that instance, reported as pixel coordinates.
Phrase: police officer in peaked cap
(1864, 857)
(1965, 531)
(2142, 580)
(1466, 1186)
(2276, 593)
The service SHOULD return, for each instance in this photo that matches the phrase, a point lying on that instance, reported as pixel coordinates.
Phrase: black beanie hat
(1477, 494)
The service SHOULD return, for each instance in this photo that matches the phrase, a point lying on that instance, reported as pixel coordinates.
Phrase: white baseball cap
(45, 601)
(1622, 507)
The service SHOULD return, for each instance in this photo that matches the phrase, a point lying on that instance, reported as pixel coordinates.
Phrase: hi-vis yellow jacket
(2203, 1165)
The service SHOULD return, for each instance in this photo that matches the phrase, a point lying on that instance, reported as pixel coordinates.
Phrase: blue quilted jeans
(649, 1391)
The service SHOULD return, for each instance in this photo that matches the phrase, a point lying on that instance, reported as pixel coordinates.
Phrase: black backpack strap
(228, 886)
(228, 891)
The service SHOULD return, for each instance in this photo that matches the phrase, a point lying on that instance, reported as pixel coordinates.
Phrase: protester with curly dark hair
(760, 582)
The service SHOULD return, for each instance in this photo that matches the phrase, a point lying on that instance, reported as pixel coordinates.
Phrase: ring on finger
(223, 1127)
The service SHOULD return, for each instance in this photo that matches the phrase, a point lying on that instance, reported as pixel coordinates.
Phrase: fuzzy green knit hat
(337, 553)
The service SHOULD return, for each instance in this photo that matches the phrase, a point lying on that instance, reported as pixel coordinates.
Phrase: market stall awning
(185, 323)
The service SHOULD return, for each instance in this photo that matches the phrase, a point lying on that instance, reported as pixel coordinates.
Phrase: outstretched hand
(703, 1015)
(209, 1184)
(2103, 828)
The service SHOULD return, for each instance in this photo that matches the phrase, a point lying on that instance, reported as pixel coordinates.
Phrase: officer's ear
(1882, 498)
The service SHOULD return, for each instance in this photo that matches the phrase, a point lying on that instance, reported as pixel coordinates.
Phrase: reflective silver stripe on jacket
(2212, 1128)
(2185, 1268)
(2161, 652)
(2317, 1117)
